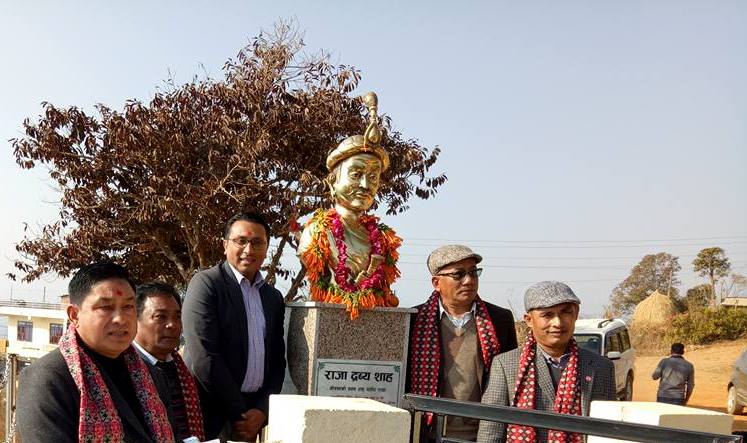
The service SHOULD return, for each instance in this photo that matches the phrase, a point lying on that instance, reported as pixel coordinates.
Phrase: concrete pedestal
(331, 355)
(302, 419)
(660, 414)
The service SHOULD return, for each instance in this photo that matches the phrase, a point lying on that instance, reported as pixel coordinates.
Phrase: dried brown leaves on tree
(655, 272)
(152, 185)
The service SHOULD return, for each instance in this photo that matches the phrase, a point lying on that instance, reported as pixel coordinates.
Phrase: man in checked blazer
(551, 356)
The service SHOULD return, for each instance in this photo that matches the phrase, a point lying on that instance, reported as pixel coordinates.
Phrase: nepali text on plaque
(377, 380)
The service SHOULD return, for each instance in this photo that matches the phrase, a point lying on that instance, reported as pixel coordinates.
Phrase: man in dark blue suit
(233, 331)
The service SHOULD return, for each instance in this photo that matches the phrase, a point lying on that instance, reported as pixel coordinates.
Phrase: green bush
(649, 339)
(708, 325)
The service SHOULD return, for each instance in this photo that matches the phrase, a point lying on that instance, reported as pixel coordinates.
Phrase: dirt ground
(713, 366)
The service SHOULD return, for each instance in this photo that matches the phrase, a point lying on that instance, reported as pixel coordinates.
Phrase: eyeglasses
(459, 275)
(241, 242)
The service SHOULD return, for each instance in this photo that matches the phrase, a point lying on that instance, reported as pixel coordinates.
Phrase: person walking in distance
(676, 377)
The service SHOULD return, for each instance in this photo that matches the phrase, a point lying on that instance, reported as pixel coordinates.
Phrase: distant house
(737, 302)
(33, 328)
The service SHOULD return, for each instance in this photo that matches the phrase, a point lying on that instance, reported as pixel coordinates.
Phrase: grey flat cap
(450, 254)
(548, 293)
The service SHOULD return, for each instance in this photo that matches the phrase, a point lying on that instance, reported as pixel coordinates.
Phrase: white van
(609, 337)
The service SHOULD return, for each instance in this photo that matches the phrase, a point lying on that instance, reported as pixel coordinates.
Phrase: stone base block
(304, 419)
(660, 414)
(331, 355)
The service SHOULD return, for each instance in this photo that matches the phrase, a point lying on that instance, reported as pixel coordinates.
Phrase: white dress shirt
(255, 322)
(151, 359)
(461, 321)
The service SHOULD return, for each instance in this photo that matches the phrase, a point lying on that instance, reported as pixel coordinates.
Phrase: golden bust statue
(351, 257)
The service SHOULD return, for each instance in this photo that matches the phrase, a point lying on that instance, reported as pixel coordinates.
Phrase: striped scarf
(567, 395)
(99, 421)
(425, 346)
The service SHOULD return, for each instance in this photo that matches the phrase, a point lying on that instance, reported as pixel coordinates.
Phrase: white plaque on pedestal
(377, 380)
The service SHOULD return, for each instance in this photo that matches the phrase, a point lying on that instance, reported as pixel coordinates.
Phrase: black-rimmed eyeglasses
(459, 275)
(241, 242)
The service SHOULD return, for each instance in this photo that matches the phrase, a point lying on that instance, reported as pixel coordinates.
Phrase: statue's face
(357, 182)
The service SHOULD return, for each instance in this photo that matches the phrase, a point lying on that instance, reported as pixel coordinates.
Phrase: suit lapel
(238, 310)
(585, 380)
(264, 296)
(544, 380)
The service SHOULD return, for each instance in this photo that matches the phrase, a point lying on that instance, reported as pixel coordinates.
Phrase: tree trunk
(171, 255)
(713, 289)
(275, 261)
(290, 296)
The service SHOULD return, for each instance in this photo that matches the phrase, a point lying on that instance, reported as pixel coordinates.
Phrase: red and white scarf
(191, 398)
(99, 420)
(567, 394)
(425, 345)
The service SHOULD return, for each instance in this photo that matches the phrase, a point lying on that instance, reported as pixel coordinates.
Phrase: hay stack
(654, 311)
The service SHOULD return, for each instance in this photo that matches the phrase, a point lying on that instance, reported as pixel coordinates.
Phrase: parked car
(609, 337)
(736, 396)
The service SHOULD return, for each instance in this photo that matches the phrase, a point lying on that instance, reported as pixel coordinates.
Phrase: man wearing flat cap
(550, 372)
(454, 337)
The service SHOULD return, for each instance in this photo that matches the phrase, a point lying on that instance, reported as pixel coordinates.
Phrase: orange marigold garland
(373, 290)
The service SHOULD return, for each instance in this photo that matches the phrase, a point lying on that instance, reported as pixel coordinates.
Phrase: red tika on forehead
(118, 292)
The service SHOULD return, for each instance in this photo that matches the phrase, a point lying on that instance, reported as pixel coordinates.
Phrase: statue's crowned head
(356, 164)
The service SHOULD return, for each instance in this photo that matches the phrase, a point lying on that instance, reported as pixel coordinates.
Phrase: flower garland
(370, 292)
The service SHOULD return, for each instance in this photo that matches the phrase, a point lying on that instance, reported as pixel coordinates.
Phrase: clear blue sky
(576, 135)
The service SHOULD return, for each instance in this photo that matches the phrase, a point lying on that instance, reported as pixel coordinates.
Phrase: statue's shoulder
(320, 220)
(315, 227)
(314, 245)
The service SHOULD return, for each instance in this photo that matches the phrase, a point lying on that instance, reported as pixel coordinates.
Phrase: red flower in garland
(373, 290)
(342, 272)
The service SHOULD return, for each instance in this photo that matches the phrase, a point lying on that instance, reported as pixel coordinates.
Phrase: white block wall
(660, 414)
(313, 419)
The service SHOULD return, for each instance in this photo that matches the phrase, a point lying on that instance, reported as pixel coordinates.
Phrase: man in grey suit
(541, 374)
(233, 331)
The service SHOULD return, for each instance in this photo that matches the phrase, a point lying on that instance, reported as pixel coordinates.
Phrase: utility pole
(11, 366)
(671, 270)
